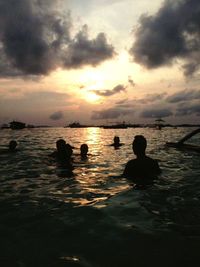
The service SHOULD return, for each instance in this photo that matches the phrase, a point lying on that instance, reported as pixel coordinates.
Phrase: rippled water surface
(95, 217)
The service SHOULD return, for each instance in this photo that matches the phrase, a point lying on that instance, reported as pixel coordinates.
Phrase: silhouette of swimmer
(142, 170)
(12, 146)
(84, 151)
(116, 143)
(63, 154)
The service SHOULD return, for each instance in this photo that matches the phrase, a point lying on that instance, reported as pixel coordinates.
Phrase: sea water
(96, 217)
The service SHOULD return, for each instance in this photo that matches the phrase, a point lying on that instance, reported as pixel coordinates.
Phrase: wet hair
(84, 149)
(12, 145)
(139, 145)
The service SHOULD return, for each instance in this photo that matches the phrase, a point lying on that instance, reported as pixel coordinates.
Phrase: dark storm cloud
(174, 32)
(193, 109)
(83, 51)
(184, 95)
(31, 37)
(35, 39)
(117, 89)
(111, 113)
(156, 113)
(56, 116)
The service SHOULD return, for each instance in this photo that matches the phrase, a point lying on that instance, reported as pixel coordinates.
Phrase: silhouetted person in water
(116, 141)
(63, 154)
(142, 170)
(84, 151)
(12, 146)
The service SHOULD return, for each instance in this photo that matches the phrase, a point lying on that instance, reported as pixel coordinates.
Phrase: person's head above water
(60, 144)
(139, 145)
(12, 145)
(84, 150)
(116, 140)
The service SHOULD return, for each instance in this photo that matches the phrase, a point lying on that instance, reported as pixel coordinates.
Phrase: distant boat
(17, 125)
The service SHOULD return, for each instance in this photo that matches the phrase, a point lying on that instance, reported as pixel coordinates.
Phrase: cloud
(117, 89)
(56, 115)
(31, 38)
(37, 100)
(131, 82)
(184, 95)
(149, 98)
(193, 109)
(156, 113)
(126, 104)
(173, 32)
(35, 39)
(111, 113)
(83, 51)
(122, 101)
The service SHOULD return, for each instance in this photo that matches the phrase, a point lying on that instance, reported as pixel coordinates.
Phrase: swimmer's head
(84, 150)
(139, 145)
(12, 145)
(60, 144)
(116, 140)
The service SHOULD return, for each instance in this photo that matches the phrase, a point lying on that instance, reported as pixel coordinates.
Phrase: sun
(91, 97)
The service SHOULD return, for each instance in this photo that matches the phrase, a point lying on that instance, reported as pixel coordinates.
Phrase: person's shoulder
(131, 162)
(151, 160)
(154, 163)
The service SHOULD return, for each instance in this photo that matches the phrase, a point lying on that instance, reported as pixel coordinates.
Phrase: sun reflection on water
(93, 137)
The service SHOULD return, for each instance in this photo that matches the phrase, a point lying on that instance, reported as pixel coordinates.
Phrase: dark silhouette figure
(12, 146)
(63, 154)
(142, 170)
(84, 151)
(116, 142)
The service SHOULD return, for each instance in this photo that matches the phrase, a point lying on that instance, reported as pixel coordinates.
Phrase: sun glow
(91, 97)
(92, 80)
(92, 76)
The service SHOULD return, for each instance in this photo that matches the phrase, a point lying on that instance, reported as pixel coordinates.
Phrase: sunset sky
(99, 61)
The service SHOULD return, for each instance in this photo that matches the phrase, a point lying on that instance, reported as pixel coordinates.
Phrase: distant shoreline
(153, 126)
